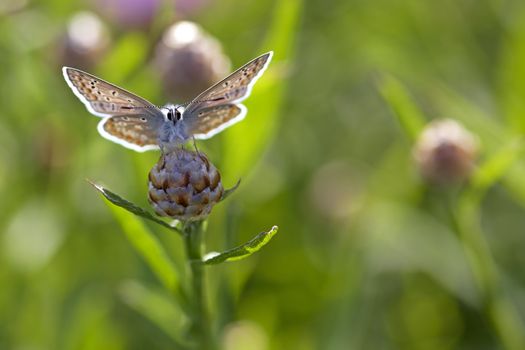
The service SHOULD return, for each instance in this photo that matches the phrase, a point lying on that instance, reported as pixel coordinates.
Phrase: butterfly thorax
(173, 132)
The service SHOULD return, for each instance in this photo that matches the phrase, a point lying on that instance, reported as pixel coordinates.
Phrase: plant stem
(506, 321)
(201, 329)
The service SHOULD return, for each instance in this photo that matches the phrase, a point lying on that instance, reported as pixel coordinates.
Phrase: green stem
(505, 320)
(201, 329)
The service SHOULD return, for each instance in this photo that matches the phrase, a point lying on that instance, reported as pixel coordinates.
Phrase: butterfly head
(174, 113)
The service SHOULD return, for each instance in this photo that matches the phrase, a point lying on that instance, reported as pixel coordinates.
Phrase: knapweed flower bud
(85, 41)
(129, 14)
(445, 152)
(188, 61)
(184, 185)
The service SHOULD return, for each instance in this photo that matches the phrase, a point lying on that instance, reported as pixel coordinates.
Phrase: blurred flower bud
(85, 41)
(445, 152)
(187, 7)
(130, 14)
(184, 185)
(50, 148)
(189, 61)
(14, 6)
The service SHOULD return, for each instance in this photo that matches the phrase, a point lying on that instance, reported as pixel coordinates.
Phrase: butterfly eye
(178, 115)
(170, 115)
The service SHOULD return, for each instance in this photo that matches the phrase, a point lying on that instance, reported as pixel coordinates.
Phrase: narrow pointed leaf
(497, 165)
(143, 240)
(123, 203)
(242, 251)
(230, 191)
(404, 108)
(149, 247)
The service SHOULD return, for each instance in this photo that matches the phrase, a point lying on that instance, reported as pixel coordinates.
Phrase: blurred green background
(369, 255)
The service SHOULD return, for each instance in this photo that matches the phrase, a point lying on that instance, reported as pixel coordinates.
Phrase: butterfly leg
(195, 145)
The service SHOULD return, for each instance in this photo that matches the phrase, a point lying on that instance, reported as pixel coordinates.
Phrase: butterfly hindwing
(210, 121)
(132, 131)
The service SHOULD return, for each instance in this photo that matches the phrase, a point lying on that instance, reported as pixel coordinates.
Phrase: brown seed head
(445, 152)
(184, 185)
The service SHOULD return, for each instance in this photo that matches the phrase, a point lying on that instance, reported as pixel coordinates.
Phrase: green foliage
(132, 208)
(157, 306)
(143, 240)
(506, 322)
(153, 305)
(244, 145)
(149, 247)
(407, 113)
(242, 251)
(372, 256)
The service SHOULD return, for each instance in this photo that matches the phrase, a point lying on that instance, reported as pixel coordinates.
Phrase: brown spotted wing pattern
(128, 119)
(137, 124)
(203, 120)
(135, 130)
(214, 119)
(105, 99)
(234, 88)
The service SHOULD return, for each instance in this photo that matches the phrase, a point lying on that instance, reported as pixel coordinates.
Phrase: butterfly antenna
(194, 101)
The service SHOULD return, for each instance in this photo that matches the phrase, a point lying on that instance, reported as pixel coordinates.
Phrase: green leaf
(512, 74)
(143, 240)
(127, 55)
(407, 112)
(230, 191)
(514, 182)
(402, 238)
(158, 307)
(135, 209)
(497, 166)
(242, 251)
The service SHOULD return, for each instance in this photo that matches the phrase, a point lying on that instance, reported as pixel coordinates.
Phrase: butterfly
(135, 123)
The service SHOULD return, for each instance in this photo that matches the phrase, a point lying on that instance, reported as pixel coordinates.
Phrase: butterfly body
(137, 124)
(173, 131)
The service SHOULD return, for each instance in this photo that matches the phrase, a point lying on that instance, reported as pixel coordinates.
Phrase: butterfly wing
(131, 131)
(217, 107)
(212, 120)
(129, 120)
(105, 99)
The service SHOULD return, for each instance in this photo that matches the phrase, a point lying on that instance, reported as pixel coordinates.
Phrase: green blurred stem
(201, 329)
(499, 309)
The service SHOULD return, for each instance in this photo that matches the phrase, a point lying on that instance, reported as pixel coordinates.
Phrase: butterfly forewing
(209, 121)
(105, 99)
(235, 88)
